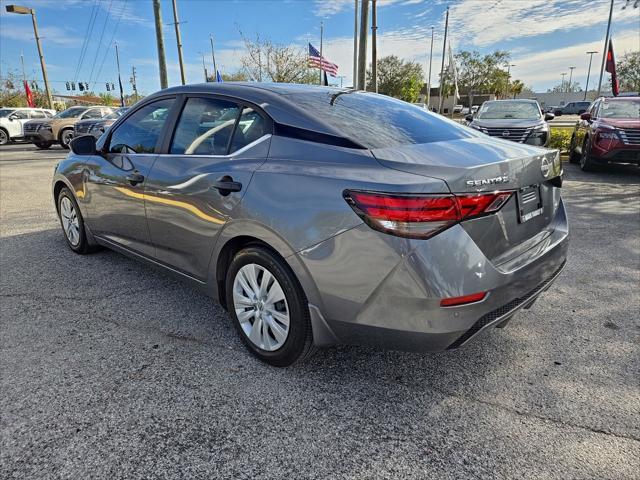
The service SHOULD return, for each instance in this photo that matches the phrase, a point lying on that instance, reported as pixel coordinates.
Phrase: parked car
(516, 120)
(608, 133)
(457, 108)
(97, 127)
(59, 129)
(474, 109)
(549, 109)
(572, 108)
(12, 121)
(320, 215)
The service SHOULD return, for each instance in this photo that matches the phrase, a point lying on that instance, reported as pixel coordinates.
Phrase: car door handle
(226, 185)
(135, 178)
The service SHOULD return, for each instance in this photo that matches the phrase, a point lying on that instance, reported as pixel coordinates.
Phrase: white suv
(12, 121)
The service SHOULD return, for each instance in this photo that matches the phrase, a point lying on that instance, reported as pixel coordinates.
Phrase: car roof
(618, 99)
(510, 100)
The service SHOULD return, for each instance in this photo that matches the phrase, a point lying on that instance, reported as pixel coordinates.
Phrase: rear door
(114, 186)
(16, 125)
(200, 177)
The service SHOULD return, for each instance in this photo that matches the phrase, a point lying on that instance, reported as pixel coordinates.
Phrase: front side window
(250, 128)
(20, 115)
(205, 127)
(140, 132)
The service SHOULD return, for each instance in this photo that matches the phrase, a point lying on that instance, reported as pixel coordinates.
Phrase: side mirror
(12, 118)
(84, 145)
(469, 118)
(586, 116)
(548, 117)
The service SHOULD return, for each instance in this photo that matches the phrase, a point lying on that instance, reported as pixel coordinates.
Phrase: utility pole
(429, 80)
(26, 11)
(162, 61)
(134, 85)
(374, 46)
(444, 52)
(213, 57)
(586, 87)
(562, 89)
(176, 22)
(119, 78)
(355, 44)
(606, 49)
(321, 57)
(362, 47)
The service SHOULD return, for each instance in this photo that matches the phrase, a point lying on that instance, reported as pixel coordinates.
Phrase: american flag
(315, 60)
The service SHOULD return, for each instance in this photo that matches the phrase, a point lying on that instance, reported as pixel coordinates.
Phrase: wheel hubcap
(261, 307)
(66, 138)
(70, 223)
(3, 137)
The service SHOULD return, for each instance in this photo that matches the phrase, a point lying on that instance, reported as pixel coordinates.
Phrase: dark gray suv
(520, 121)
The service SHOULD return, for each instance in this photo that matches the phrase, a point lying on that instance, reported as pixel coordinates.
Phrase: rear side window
(94, 113)
(37, 114)
(205, 127)
(377, 121)
(140, 132)
(250, 128)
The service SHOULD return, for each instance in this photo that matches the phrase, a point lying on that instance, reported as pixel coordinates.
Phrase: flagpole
(213, 57)
(355, 44)
(606, 49)
(119, 78)
(444, 53)
(430, 62)
(321, 33)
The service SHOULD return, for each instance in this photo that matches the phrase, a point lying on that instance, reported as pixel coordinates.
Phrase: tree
(12, 93)
(516, 88)
(629, 72)
(398, 78)
(565, 87)
(271, 62)
(479, 74)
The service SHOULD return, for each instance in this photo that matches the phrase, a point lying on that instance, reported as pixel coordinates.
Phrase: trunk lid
(485, 164)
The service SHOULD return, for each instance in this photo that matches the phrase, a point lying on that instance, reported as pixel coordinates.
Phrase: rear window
(377, 121)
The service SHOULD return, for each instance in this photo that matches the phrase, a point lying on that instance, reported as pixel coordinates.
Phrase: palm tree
(516, 87)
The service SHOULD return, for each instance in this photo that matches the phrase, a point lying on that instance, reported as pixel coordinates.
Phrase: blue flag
(218, 76)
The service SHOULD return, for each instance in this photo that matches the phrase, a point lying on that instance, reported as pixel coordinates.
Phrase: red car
(608, 132)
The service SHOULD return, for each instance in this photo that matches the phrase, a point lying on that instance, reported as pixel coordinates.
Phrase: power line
(104, 27)
(113, 34)
(87, 36)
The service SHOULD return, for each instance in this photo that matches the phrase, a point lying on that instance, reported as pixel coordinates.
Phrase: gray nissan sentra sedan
(319, 216)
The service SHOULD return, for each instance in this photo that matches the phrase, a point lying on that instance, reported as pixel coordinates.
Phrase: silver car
(318, 216)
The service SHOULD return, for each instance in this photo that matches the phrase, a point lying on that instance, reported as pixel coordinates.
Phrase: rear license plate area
(529, 203)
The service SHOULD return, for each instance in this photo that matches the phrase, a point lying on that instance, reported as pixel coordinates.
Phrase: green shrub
(560, 139)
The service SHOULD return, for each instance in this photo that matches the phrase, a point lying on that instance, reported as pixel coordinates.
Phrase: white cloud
(59, 36)
(327, 8)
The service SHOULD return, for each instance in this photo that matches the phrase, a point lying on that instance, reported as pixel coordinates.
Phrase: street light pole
(213, 57)
(362, 46)
(509, 65)
(586, 87)
(444, 52)
(562, 87)
(162, 61)
(30, 11)
(429, 79)
(571, 69)
(374, 47)
(355, 45)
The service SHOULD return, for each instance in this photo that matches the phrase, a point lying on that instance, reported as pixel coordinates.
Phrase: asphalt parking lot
(111, 369)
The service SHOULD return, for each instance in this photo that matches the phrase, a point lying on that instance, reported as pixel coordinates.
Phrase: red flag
(611, 68)
(27, 90)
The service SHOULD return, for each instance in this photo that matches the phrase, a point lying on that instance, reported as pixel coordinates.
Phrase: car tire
(262, 296)
(586, 164)
(72, 222)
(42, 145)
(573, 155)
(4, 137)
(65, 137)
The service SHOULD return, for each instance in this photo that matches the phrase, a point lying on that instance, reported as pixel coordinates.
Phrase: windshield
(503, 110)
(5, 112)
(620, 109)
(377, 121)
(71, 112)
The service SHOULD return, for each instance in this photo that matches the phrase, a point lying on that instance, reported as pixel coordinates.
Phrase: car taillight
(420, 215)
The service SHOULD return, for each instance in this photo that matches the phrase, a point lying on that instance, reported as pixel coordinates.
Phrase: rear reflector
(455, 301)
(421, 216)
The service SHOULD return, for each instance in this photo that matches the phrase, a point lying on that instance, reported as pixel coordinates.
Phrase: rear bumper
(389, 294)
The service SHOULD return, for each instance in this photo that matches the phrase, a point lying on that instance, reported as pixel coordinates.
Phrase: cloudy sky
(544, 37)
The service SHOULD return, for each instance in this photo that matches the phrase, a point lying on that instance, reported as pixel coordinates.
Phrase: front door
(194, 188)
(115, 182)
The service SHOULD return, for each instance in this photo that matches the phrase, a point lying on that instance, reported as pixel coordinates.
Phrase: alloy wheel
(4, 138)
(67, 137)
(261, 307)
(70, 223)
